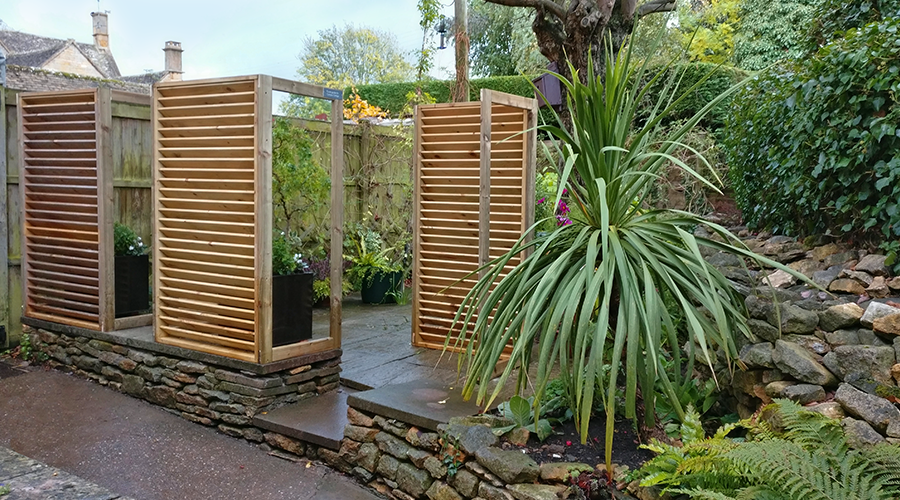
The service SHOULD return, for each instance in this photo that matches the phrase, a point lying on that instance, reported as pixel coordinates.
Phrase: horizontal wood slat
(60, 212)
(205, 186)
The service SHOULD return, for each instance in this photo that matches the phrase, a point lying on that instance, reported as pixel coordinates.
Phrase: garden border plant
(592, 294)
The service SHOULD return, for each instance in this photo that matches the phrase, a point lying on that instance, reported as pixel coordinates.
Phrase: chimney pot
(173, 52)
(101, 30)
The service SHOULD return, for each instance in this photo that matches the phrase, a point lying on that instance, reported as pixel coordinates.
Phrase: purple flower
(542, 200)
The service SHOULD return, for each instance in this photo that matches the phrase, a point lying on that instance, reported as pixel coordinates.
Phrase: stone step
(319, 420)
(422, 403)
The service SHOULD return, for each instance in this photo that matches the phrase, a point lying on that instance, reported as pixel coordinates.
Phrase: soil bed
(565, 445)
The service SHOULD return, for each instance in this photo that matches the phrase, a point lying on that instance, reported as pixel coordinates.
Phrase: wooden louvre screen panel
(59, 180)
(448, 203)
(206, 140)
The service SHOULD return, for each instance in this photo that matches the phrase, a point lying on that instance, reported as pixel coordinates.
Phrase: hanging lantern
(442, 29)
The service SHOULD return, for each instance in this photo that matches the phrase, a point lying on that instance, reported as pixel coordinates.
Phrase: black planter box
(132, 285)
(292, 304)
(378, 290)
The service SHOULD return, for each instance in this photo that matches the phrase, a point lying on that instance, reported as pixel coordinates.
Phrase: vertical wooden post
(337, 218)
(263, 261)
(530, 153)
(105, 209)
(4, 229)
(417, 224)
(23, 183)
(155, 186)
(484, 186)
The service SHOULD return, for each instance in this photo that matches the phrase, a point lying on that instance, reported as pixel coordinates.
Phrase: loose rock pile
(836, 351)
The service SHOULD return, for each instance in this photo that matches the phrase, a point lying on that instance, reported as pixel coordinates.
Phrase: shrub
(126, 242)
(815, 146)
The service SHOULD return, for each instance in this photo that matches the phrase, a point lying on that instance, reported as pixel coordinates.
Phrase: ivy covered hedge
(814, 146)
(392, 97)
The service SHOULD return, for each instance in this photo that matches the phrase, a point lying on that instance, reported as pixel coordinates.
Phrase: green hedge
(392, 96)
(814, 146)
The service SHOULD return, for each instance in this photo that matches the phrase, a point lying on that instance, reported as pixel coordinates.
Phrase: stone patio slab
(319, 420)
(423, 403)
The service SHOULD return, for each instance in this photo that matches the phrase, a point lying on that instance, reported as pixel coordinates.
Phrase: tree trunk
(570, 32)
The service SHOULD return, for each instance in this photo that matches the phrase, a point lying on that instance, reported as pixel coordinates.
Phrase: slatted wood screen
(67, 203)
(213, 198)
(474, 184)
(205, 190)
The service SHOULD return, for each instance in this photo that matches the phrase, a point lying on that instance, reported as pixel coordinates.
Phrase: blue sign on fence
(333, 93)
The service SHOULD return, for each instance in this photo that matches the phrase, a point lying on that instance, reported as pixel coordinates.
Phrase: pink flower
(542, 200)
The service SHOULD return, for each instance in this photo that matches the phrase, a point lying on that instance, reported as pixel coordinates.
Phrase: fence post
(4, 222)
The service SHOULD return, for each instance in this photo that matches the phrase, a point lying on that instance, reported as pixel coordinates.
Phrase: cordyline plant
(592, 294)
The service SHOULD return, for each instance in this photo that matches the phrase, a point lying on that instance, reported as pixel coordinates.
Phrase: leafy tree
(342, 57)
(346, 56)
(502, 42)
(771, 31)
(707, 29)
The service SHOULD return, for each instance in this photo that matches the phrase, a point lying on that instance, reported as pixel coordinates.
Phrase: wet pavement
(28, 479)
(138, 450)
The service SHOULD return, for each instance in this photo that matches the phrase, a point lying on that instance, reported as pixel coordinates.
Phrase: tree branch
(656, 6)
(547, 5)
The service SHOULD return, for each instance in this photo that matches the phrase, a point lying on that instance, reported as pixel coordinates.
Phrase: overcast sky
(219, 38)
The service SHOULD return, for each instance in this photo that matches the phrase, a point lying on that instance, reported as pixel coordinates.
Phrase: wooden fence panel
(61, 198)
(204, 248)
(474, 178)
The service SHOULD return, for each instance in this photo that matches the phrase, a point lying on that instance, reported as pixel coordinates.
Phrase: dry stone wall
(834, 348)
(202, 392)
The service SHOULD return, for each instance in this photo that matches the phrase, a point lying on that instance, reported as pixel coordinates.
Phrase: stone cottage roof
(40, 80)
(25, 49)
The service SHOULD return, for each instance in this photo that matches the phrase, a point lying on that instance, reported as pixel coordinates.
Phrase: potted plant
(132, 272)
(292, 292)
(377, 278)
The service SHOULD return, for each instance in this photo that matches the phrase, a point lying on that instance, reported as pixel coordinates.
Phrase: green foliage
(804, 455)
(301, 188)
(4, 490)
(705, 82)
(772, 31)
(341, 57)
(26, 350)
(126, 242)
(321, 289)
(345, 56)
(707, 29)
(286, 256)
(814, 147)
(369, 258)
(523, 414)
(591, 294)
(836, 16)
(544, 192)
(429, 10)
(501, 41)
(392, 97)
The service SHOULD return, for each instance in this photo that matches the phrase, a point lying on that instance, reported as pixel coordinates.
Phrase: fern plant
(789, 453)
